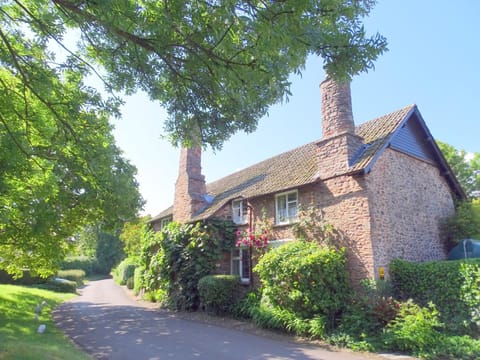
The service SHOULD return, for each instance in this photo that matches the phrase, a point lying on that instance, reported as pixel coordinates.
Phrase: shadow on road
(128, 332)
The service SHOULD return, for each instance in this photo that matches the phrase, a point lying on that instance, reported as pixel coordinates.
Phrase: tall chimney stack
(337, 115)
(190, 188)
(339, 145)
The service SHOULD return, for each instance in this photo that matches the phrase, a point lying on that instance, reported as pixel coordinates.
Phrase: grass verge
(18, 327)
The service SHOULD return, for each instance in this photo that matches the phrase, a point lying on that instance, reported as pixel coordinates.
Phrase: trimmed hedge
(219, 293)
(59, 285)
(451, 285)
(76, 275)
(85, 263)
(124, 271)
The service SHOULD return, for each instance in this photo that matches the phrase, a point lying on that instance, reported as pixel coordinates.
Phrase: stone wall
(409, 200)
(345, 204)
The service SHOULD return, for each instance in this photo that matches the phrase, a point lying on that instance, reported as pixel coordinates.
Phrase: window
(239, 212)
(240, 264)
(165, 221)
(286, 206)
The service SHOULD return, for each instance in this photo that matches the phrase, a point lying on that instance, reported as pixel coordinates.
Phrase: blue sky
(433, 61)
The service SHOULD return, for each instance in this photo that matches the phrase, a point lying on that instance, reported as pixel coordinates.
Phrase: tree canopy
(216, 66)
(466, 168)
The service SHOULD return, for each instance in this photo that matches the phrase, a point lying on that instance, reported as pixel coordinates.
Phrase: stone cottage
(384, 185)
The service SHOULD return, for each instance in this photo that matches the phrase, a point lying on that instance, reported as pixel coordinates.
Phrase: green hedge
(85, 263)
(124, 271)
(451, 285)
(138, 280)
(25, 279)
(219, 293)
(59, 285)
(306, 279)
(76, 275)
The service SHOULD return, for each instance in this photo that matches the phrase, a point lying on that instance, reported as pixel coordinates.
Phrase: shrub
(59, 285)
(124, 271)
(178, 257)
(305, 278)
(415, 329)
(219, 293)
(450, 285)
(130, 283)
(26, 279)
(457, 348)
(245, 306)
(138, 280)
(76, 275)
(87, 264)
(466, 221)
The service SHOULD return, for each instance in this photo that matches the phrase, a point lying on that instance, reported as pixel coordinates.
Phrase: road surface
(108, 323)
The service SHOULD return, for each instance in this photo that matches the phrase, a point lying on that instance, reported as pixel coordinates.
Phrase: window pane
(235, 267)
(281, 208)
(292, 212)
(245, 264)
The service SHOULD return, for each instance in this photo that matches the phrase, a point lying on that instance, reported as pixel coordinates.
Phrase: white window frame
(281, 219)
(242, 251)
(239, 215)
(165, 221)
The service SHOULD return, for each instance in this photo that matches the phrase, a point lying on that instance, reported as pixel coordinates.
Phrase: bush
(415, 329)
(26, 279)
(465, 223)
(130, 283)
(451, 285)
(59, 285)
(76, 275)
(85, 263)
(138, 280)
(124, 271)
(178, 257)
(219, 293)
(457, 348)
(306, 279)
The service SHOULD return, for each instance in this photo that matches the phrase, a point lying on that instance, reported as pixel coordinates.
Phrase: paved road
(108, 323)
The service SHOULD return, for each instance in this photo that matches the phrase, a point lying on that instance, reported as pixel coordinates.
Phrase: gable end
(412, 140)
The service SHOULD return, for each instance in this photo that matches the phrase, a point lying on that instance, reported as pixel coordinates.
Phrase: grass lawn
(18, 328)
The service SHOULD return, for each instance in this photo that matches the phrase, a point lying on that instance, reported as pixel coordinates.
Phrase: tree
(60, 168)
(466, 168)
(132, 235)
(216, 66)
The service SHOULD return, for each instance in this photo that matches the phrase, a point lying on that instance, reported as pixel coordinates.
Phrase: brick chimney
(339, 144)
(190, 189)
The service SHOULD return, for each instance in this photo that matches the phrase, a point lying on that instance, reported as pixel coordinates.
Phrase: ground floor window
(240, 263)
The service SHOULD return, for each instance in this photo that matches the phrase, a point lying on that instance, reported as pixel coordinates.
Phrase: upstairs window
(165, 221)
(286, 207)
(239, 212)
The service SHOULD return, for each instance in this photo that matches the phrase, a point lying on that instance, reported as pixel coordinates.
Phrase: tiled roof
(376, 133)
(164, 213)
(296, 167)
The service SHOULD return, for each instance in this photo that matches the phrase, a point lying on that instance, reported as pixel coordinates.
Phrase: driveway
(108, 323)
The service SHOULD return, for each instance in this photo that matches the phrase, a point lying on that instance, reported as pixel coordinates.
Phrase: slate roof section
(164, 213)
(299, 166)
